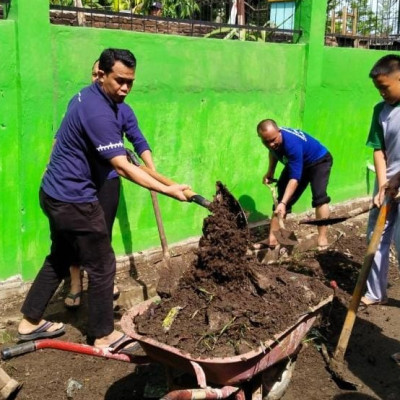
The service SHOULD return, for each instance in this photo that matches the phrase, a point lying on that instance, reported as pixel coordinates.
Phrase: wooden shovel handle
(361, 281)
(189, 194)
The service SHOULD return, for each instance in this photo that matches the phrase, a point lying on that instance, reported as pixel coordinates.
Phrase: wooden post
(354, 25)
(241, 18)
(344, 20)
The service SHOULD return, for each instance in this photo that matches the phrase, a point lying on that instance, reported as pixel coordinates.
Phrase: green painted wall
(198, 102)
(10, 215)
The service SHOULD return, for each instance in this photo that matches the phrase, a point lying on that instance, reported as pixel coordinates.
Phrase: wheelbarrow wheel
(276, 379)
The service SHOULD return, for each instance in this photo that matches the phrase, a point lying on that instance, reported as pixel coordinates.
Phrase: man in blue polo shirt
(88, 139)
(306, 162)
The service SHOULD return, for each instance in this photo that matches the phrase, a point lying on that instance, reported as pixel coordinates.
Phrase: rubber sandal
(119, 344)
(116, 294)
(365, 303)
(42, 332)
(396, 358)
(73, 297)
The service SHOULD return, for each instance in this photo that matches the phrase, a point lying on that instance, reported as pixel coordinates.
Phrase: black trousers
(316, 175)
(79, 235)
(108, 195)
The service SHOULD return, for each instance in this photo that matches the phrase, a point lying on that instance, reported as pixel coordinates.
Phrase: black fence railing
(372, 24)
(222, 19)
(4, 8)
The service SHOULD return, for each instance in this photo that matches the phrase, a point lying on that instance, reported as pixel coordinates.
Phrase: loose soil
(51, 374)
(227, 302)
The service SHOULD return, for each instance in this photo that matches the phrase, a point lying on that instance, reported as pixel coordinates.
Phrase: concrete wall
(198, 102)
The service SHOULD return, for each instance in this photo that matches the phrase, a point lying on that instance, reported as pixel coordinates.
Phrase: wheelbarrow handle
(17, 350)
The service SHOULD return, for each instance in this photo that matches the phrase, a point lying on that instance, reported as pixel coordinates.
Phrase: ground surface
(51, 374)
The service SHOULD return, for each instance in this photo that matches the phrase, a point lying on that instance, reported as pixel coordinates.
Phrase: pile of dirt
(227, 303)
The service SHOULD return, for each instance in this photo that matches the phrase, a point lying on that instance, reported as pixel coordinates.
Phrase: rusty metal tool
(283, 235)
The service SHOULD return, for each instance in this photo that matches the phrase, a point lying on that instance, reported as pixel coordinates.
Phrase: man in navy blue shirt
(88, 139)
(108, 190)
(306, 161)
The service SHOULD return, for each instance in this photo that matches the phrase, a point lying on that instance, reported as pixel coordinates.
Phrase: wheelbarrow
(229, 374)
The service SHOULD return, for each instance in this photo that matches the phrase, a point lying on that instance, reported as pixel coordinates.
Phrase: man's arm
(133, 173)
(289, 191)
(272, 163)
(148, 159)
(393, 185)
(380, 170)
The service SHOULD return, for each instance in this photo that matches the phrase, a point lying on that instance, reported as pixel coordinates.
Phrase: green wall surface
(10, 211)
(198, 102)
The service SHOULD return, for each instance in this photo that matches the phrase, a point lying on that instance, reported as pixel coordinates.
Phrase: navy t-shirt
(89, 135)
(130, 127)
(298, 150)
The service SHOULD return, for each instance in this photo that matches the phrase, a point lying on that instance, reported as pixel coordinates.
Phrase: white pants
(378, 277)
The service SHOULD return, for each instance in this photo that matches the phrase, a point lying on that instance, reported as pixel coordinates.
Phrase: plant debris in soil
(227, 302)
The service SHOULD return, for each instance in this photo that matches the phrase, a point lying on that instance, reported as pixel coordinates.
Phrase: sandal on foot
(42, 332)
(74, 298)
(116, 293)
(263, 244)
(396, 358)
(366, 302)
(118, 344)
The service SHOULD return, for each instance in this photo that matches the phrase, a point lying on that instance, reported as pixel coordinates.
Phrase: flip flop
(42, 332)
(396, 358)
(73, 297)
(263, 244)
(116, 294)
(119, 344)
(365, 302)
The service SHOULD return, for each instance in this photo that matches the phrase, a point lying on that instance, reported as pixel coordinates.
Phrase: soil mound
(227, 303)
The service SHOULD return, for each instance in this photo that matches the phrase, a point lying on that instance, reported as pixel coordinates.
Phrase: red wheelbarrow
(228, 375)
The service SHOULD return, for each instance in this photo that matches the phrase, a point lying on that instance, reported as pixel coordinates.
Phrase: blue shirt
(89, 135)
(130, 127)
(298, 150)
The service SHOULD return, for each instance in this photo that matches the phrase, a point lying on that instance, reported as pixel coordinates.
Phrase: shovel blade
(285, 237)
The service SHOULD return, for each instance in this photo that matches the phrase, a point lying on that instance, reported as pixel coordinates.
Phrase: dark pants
(108, 195)
(79, 235)
(317, 175)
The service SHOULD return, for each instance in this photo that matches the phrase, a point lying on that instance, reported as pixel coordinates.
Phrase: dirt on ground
(262, 294)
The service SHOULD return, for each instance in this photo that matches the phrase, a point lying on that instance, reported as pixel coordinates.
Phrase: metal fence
(4, 8)
(255, 20)
(370, 24)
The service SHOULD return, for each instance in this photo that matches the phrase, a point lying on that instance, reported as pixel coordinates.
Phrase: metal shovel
(283, 236)
(191, 196)
(337, 219)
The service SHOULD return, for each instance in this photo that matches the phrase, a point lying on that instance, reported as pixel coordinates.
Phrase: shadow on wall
(249, 206)
(127, 240)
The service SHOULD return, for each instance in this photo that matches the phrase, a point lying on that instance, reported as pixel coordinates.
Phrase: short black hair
(265, 124)
(385, 66)
(109, 56)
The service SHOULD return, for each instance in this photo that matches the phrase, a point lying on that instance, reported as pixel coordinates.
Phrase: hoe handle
(341, 347)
